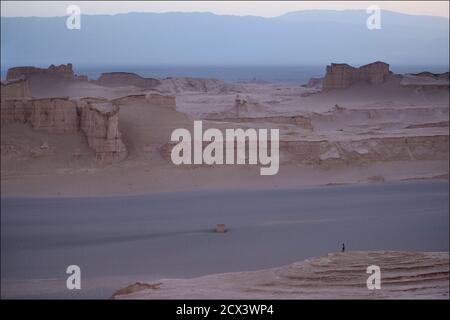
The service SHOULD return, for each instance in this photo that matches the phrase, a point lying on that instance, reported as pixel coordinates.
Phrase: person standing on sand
(343, 247)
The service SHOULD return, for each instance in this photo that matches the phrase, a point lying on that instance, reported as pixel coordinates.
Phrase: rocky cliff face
(327, 154)
(97, 118)
(54, 115)
(342, 75)
(15, 110)
(365, 151)
(118, 79)
(100, 122)
(161, 100)
(426, 81)
(15, 89)
(65, 71)
(15, 100)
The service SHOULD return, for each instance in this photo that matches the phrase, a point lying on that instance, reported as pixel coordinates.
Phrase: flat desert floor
(117, 241)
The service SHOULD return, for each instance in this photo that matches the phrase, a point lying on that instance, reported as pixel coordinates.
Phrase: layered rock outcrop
(436, 76)
(98, 119)
(15, 110)
(342, 75)
(426, 81)
(119, 79)
(162, 100)
(326, 153)
(54, 115)
(152, 99)
(365, 151)
(405, 275)
(187, 84)
(64, 70)
(15, 89)
(15, 100)
(100, 122)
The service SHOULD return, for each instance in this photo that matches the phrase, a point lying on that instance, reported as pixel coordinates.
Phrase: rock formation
(342, 75)
(97, 118)
(15, 110)
(100, 122)
(186, 84)
(437, 76)
(240, 105)
(365, 151)
(152, 99)
(119, 79)
(15, 89)
(162, 100)
(426, 81)
(54, 115)
(315, 83)
(247, 107)
(327, 154)
(15, 100)
(65, 71)
(405, 275)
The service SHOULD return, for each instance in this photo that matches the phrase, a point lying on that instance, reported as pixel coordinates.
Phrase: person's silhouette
(343, 247)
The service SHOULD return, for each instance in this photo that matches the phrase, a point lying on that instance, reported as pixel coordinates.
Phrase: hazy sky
(257, 8)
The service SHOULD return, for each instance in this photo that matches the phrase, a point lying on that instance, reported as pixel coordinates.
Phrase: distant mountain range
(297, 38)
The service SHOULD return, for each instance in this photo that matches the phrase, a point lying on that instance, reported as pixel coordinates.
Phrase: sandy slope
(404, 275)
